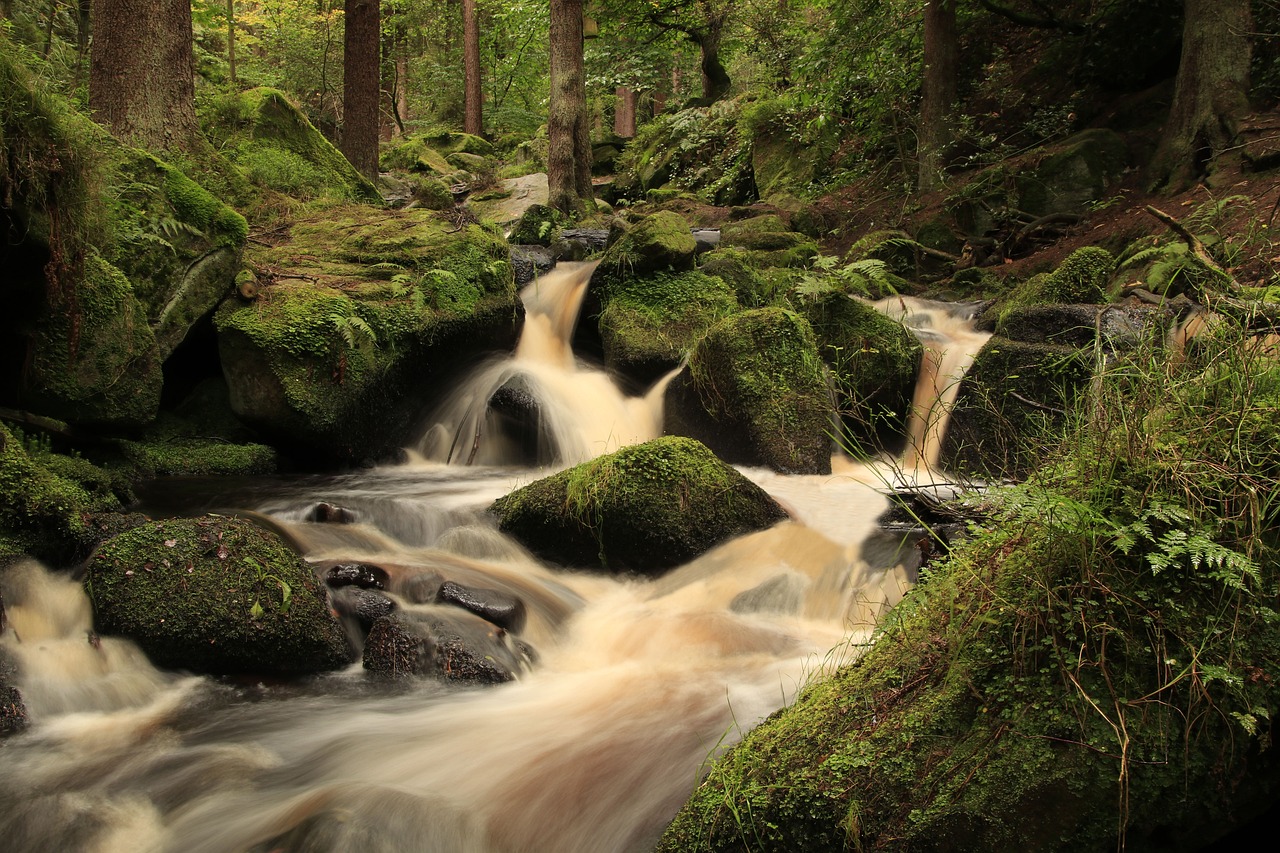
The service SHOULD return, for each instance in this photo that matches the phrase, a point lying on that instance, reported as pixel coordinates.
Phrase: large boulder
(756, 394)
(217, 595)
(873, 360)
(644, 509)
(769, 242)
(445, 643)
(110, 254)
(700, 149)
(277, 148)
(339, 355)
(1012, 406)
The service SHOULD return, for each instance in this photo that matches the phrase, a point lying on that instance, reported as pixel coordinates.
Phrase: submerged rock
(327, 513)
(644, 509)
(755, 393)
(445, 643)
(365, 606)
(216, 595)
(363, 575)
(492, 605)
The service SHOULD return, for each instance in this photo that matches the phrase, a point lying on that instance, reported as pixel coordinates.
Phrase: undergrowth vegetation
(1094, 667)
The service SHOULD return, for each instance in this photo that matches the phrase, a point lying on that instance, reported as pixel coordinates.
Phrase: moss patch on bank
(1097, 668)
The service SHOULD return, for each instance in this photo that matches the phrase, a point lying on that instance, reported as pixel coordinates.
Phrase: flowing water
(637, 685)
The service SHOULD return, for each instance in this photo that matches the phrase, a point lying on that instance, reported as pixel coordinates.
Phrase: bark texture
(360, 86)
(624, 114)
(141, 76)
(569, 154)
(474, 122)
(1211, 93)
(938, 92)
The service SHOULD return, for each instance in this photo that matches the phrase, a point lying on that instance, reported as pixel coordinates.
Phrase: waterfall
(637, 685)
(542, 405)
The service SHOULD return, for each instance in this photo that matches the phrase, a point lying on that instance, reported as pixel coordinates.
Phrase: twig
(1042, 406)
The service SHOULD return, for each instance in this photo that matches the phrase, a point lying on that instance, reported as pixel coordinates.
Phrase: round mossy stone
(216, 595)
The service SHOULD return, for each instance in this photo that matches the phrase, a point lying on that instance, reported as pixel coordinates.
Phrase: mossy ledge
(644, 509)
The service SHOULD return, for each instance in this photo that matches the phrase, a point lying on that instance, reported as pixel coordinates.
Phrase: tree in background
(938, 93)
(141, 77)
(474, 121)
(361, 90)
(568, 134)
(1211, 93)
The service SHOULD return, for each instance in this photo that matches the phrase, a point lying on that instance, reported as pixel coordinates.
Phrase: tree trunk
(402, 88)
(938, 92)
(624, 114)
(360, 89)
(715, 79)
(1210, 95)
(474, 123)
(83, 23)
(231, 40)
(569, 154)
(141, 76)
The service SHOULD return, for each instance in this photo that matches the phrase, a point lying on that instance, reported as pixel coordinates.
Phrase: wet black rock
(493, 605)
(576, 244)
(13, 713)
(327, 513)
(444, 643)
(529, 262)
(365, 606)
(363, 575)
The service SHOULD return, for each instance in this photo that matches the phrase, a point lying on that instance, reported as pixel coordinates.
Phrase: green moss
(735, 267)
(1066, 681)
(1080, 279)
(649, 324)
(662, 241)
(215, 595)
(644, 509)
(275, 145)
(759, 372)
(196, 206)
(538, 226)
(873, 361)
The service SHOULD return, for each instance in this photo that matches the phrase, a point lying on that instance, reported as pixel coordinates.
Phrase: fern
(354, 330)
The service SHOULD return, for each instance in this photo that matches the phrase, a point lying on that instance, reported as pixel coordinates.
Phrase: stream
(636, 687)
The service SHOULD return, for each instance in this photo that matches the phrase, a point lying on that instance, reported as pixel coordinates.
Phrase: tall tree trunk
(402, 87)
(624, 114)
(141, 76)
(938, 92)
(715, 79)
(474, 122)
(83, 23)
(569, 154)
(1210, 95)
(360, 89)
(231, 40)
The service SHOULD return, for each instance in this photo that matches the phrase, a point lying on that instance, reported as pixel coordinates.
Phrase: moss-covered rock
(275, 145)
(46, 499)
(643, 509)
(1073, 173)
(538, 226)
(648, 325)
(735, 268)
(769, 242)
(700, 149)
(1012, 406)
(756, 393)
(874, 361)
(1064, 682)
(216, 595)
(656, 243)
(1081, 279)
(338, 357)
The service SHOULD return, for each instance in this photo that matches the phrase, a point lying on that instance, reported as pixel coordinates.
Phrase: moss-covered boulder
(46, 500)
(657, 243)
(648, 325)
(273, 143)
(736, 268)
(415, 155)
(644, 509)
(756, 393)
(1065, 681)
(1073, 173)
(338, 355)
(216, 595)
(537, 226)
(769, 242)
(1081, 279)
(111, 256)
(873, 361)
(700, 149)
(1013, 406)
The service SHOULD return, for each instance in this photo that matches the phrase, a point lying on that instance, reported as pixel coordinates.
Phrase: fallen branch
(1197, 248)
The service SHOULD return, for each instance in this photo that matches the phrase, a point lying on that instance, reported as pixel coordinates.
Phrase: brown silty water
(638, 685)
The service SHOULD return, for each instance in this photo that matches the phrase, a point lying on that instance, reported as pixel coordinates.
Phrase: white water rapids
(637, 685)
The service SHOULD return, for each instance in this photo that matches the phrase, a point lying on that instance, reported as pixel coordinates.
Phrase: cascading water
(637, 683)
